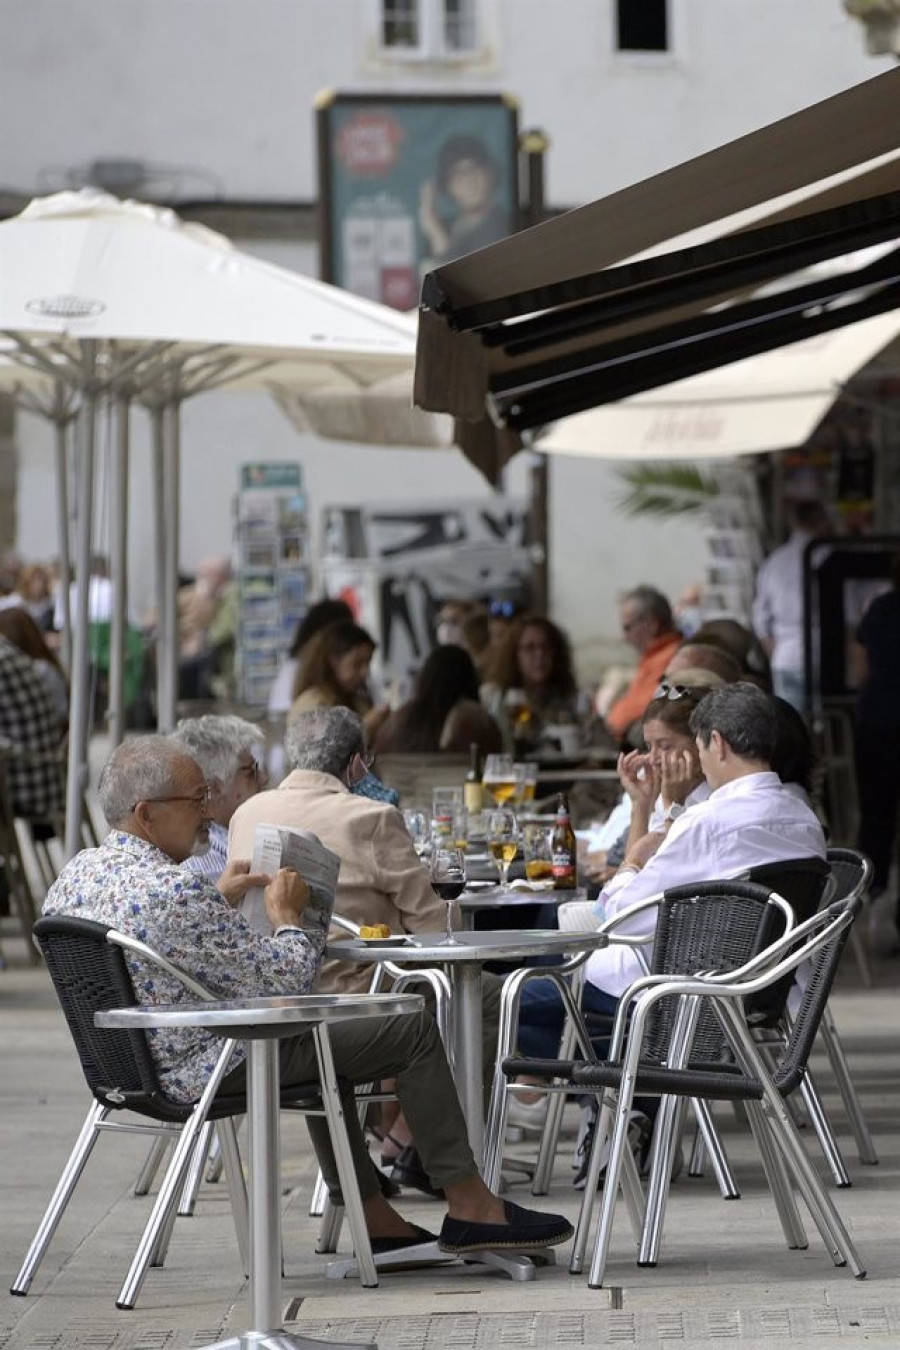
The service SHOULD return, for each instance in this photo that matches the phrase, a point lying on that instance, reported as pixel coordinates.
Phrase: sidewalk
(725, 1279)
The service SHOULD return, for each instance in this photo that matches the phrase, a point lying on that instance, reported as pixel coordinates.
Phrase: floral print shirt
(134, 887)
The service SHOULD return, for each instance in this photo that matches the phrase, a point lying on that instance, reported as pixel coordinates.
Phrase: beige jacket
(381, 879)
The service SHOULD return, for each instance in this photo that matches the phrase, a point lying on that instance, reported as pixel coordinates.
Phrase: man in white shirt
(750, 818)
(778, 603)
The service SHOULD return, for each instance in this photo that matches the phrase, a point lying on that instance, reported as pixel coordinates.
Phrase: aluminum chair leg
(61, 1196)
(155, 1155)
(329, 1228)
(334, 1114)
(824, 1133)
(825, 1216)
(865, 1146)
(171, 1185)
(214, 1160)
(778, 1179)
(164, 1237)
(543, 1170)
(230, 1161)
(188, 1202)
(698, 1151)
(829, 1223)
(319, 1199)
(666, 1135)
(617, 1149)
(708, 1141)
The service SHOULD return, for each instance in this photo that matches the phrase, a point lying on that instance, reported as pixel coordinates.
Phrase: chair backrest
(714, 926)
(415, 776)
(822, 969)
(90, 975)
(852, 872)
(802, 882)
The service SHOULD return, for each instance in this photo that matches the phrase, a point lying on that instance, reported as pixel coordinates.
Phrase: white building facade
(205, 100)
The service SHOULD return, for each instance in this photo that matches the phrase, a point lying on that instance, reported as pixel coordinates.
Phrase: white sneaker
(526, 1115)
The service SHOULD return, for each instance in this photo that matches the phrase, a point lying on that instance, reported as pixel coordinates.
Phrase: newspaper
(277, 846)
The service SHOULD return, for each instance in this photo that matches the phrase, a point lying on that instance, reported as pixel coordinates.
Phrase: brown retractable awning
(694, 268)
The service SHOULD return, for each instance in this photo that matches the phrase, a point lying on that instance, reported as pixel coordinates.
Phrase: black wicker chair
(683, 1072)
(87, 964)
(713, 926)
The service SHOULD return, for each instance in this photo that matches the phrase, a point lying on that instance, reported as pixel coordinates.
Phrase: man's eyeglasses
(502, 609)
(198, 799)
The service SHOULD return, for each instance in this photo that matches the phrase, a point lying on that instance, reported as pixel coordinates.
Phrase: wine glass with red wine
(448, 879)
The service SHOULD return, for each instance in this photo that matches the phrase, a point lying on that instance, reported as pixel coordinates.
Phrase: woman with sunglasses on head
(665, 779)
(532, 683)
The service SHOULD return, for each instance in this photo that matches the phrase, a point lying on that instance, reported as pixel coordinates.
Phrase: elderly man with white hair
(229, 751)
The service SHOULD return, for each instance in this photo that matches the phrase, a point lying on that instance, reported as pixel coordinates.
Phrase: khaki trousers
(407, 1048)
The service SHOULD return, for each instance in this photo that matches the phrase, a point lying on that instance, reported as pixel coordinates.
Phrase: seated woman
(334, 672)
(662, 781)
(19, 628)
(532, 683)
(444, 712)
(317, 617)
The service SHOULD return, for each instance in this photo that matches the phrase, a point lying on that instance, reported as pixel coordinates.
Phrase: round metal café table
(479, 901)
(463, 963)
(262, 1023)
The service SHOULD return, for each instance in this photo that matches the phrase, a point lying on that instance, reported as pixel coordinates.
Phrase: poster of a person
(459, 208)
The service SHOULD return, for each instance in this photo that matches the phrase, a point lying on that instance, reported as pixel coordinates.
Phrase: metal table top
(502, 944)
(499, 899)
(268, 1015)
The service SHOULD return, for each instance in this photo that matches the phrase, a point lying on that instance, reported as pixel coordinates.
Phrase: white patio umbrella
(767, 402)
(122, 301)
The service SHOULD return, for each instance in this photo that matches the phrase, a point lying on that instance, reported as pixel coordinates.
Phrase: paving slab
(725, 1277)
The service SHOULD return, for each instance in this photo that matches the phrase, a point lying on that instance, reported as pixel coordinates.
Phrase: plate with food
(379, 935)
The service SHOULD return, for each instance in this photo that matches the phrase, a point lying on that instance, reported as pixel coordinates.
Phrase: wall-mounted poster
(408, 183)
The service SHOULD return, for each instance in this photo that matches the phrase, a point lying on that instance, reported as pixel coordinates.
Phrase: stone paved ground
(725, 1279)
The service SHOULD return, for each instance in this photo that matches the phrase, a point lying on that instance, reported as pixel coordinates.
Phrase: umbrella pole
(79, 707)
(119, 626)
(162, 610)
(172, 490)
(61, 419)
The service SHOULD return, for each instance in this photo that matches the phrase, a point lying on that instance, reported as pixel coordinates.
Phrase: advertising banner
(408, 183)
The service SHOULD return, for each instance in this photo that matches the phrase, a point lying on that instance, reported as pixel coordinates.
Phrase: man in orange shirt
(646, 618)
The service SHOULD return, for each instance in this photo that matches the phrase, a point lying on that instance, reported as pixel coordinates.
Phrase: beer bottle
(472, 791)
(562, 849)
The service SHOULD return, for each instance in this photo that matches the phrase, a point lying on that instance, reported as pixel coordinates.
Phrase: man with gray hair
(381, 878)
(229, 751)
(155, 798)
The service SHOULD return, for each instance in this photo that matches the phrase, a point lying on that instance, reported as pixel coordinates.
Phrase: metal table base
(519, 1266)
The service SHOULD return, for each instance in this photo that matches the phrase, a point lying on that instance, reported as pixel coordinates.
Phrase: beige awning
(702, 266)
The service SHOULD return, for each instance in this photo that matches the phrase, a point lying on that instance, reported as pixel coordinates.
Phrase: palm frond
(664, 489)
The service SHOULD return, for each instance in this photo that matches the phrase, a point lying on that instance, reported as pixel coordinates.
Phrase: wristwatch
(674, 811)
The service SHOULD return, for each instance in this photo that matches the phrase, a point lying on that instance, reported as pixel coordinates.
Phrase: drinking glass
(459, 833)
(503, 840)
(448, 879)
(499, 777)
(419, 828)
(536, 841)
(445, 801)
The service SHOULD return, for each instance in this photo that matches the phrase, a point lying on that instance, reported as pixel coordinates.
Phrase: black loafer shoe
(524, 1229)
(407, 1170)
(380, 1246)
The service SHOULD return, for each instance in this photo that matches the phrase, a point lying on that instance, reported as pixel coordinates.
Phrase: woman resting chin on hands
(661, 779)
